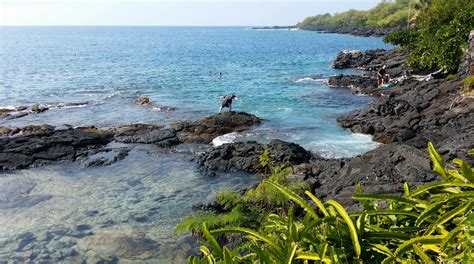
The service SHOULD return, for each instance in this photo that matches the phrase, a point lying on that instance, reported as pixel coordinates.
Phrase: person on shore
(226, 102)
(382, 76)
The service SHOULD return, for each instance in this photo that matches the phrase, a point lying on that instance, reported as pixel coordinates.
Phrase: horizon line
(54, 25)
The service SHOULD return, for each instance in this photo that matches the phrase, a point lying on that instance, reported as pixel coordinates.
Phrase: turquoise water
(277, 75)
(110, 67)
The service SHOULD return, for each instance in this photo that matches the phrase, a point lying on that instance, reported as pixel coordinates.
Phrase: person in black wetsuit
(226, 102)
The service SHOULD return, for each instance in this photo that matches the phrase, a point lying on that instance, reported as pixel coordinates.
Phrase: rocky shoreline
(404, 118)
(35, 145)
(356, 31)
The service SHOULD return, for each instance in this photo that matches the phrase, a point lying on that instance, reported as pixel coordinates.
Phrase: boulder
(37, 108)
(245, 156)
(357, 84)
(201, 131)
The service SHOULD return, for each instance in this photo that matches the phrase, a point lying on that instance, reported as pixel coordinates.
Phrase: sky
(170, 12)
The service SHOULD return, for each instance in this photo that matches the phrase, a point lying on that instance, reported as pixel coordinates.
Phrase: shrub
(440, 36)
(468, 84)
(433, 223)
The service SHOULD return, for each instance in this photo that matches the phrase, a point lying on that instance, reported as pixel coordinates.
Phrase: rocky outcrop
(145, 101)
(147, 134)
(373, 60)
(358, 84)
(205, 130)
(383, 171)
(22, 111)
(201, 131)
(244, 156)
(418, 112)
(42, 144)
(23, 147)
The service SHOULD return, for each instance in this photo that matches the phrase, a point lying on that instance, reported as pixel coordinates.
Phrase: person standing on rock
(226, 102)
(382, 76)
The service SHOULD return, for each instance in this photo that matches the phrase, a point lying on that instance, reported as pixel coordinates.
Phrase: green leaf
(318, 203)
(430, 211)
(466, 171)
(382, 249)
(422, 239)
(449, 215)
(227, 256)
(353, 231)
(293, 232)
(424, 189)
(422, 254)
(387, 235)
(386, 212)
(247, 231)
(207, 254)
(383, 197)
(322, 252)
(438, 164)
(361, 220)
(212, 241)
(312, 256)
(291, 256)
(451, 235)
(406, 189)
(293, 196)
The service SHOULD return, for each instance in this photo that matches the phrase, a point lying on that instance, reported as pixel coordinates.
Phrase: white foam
(310, 80)
(225, 139)
(8, 107)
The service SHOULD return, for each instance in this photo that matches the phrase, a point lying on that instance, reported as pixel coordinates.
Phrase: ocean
(276, 74)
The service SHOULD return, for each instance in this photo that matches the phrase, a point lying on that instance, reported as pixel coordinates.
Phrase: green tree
(441, 34)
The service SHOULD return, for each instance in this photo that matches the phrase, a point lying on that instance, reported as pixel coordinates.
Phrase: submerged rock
(108, 244)
(15, 193)
(245, 156)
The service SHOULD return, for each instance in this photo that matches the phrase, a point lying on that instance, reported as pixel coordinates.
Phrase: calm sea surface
(277, 75)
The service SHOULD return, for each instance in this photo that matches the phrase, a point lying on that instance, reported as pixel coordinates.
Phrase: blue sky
(169, 12)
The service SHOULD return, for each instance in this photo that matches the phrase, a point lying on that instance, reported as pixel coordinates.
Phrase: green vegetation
(468, 84)
(432, 223)
(386, 14)
(435, 31)
(250, 208)
(439, 38)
